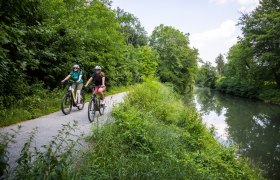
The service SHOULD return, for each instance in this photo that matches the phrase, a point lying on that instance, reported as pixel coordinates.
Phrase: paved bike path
(49, 125)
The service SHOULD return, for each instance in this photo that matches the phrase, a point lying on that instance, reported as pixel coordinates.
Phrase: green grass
(155, 136)
(42, 103)
(118, 89)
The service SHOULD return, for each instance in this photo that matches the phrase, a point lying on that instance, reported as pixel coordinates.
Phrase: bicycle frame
(96, 98)
(73, 94)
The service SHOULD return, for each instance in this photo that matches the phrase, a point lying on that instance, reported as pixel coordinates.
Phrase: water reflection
(253, 125)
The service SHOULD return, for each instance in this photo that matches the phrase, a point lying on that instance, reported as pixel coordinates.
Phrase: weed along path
(49, 125)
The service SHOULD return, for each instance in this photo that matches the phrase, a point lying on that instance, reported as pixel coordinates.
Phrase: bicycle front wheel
(91, 110)
(66, 104)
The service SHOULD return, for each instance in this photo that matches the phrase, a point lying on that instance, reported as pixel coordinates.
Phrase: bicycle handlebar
(68, 82)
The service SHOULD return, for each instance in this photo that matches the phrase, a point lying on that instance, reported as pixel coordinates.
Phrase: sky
(212, 24)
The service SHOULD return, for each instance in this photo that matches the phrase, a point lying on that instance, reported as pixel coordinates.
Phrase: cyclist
(76, 75)
(99, 80)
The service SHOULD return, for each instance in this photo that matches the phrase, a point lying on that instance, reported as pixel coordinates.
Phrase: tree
(220, 64)
(261, 32)
(177, 61)
(41, 40)
(206, 75)
(131, 28)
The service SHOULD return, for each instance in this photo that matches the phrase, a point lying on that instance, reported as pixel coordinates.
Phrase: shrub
(234, 87)
(271, 95)
(155, 136)
(50, 161)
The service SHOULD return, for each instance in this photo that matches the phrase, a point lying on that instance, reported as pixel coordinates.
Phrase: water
(253, 125)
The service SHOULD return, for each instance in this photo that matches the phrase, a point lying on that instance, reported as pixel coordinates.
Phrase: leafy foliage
(50, 161)
(41, 40)
(253, 63)
(156, 137)
(5, 140)
(207, 75)
(40, 102)
(220, 64)
(131, 28)
(177, 61)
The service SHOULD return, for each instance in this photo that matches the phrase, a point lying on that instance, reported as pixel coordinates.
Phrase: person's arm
(89, 81)
(103, 81)
(80, 77)
(65, 79)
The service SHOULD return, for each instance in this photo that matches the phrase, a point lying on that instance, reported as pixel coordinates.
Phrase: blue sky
(211, 23)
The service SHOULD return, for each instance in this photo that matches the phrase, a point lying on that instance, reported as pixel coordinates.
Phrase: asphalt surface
(49, 125)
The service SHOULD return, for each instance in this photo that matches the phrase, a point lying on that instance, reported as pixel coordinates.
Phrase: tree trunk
(277, 79)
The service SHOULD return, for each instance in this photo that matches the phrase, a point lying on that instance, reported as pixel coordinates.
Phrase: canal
(253, 126)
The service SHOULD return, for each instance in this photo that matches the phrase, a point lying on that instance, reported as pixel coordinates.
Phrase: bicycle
(94, 105)
(69, 100)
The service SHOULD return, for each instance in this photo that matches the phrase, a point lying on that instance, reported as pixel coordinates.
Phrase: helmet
(97, 68)
(76, 66)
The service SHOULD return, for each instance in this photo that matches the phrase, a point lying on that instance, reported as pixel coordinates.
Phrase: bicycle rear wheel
(82, 101)
(91, 110)
(101, 109)
(66, 104)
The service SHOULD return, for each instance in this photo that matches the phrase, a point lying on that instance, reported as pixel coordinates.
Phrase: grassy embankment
(42, 102)
(155, 136)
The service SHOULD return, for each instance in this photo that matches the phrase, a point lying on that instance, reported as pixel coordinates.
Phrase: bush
(270, 95)
(39, 102)
(50, 161)
(155, 136)
(234, 87)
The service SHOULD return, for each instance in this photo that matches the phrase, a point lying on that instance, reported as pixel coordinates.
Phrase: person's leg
(95, 90)
(78, 93)
(74, 88)
(101, 92)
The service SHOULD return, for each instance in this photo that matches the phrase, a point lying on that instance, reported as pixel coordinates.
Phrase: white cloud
(240, 2)
(248, 2)
(212, 42)
(245, 9)
(219, 1)
(248, 5)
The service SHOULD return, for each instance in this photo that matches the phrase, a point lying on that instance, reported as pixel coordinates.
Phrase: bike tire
(101, 109)
(82, 101)
(66, 104)
(91, 110)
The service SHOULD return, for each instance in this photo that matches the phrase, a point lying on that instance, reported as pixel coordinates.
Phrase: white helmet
(97, 68)
(76, 66)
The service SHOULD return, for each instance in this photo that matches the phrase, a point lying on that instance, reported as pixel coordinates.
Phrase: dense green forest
(41, 40)
(253, 64)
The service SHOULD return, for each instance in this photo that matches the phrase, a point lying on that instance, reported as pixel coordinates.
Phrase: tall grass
(50, 161)
(155, 136)
(41, 102)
